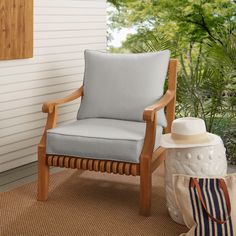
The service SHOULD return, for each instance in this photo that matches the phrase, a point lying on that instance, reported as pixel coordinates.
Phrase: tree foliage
(202, 35)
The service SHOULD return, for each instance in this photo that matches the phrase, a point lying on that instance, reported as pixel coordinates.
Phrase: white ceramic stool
(207, 161)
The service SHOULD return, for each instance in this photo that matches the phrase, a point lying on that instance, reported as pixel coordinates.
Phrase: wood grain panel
(16, 29)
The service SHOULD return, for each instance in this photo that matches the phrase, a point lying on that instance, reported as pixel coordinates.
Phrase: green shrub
(202, 35)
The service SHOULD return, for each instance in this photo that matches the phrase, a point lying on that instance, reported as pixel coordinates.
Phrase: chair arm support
(51, 108)
(148, 114)
(48, 107)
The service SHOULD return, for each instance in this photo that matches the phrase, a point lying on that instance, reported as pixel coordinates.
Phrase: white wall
(62, 30)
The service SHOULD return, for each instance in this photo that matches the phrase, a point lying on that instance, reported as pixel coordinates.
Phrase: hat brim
(168, 142)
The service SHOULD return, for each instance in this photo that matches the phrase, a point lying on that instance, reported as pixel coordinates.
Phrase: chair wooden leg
(145, 186)
(43, 175)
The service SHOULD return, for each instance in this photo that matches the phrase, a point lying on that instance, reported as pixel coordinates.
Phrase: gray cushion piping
(91, 157)
(131, 140)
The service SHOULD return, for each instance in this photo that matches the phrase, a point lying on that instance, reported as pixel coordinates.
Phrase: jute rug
(86, 203)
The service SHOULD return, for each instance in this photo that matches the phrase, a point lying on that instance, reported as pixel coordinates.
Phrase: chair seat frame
(150, 159)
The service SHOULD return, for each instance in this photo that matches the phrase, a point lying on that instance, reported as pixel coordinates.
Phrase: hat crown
(188, 126)
(189, 132)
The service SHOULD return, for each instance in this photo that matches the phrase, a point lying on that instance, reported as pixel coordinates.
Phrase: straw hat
(189, 132)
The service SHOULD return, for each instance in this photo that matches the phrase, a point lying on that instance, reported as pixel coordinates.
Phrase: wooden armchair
(150, 158)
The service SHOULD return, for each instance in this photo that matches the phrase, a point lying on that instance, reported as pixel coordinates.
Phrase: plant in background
(203, 36)
(222, 55)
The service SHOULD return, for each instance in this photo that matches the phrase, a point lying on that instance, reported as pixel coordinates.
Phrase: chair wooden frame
(150, 159)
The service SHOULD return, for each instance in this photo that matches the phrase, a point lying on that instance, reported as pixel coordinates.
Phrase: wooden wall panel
(16, 29)
(63, 29)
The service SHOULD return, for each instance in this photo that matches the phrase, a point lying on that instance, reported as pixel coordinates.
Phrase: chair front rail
(115, 167)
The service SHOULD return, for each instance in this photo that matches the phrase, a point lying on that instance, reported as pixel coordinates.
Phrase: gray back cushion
(120, 86)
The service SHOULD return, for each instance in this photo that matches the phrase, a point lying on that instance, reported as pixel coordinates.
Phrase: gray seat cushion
(120, 86)
(96, 138)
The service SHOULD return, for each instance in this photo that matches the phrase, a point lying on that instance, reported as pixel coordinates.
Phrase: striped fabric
(214, 199)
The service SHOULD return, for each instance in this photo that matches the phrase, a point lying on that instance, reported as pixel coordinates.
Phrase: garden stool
(190, 150)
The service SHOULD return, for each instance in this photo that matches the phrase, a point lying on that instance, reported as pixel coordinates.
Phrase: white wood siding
(62, 30)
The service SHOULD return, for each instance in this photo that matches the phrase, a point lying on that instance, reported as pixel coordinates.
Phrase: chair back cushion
(120, 86)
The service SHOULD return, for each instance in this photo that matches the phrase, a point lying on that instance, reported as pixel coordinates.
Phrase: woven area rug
(86, 203)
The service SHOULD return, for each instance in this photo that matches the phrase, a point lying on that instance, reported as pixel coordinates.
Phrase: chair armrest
(49, 106)
(148, 114)
(51, 109)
